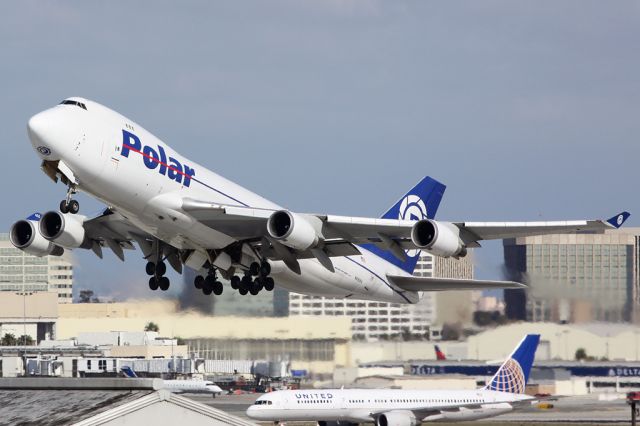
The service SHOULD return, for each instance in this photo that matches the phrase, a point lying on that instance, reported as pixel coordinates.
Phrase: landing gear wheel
(254, 268)
(255, 288)
(269, 284)
(209, 284)
(64, 207)
(245, 284)
(198, 281)
(217, 288)
(235, 282)
(265, 269)
(73, 206)
(161, 268)
(150, 268)
(243, 291)
(153, 283)
(164, 283)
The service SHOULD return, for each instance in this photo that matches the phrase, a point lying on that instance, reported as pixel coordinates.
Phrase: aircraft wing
(114, 231)
(247, 223)
(423, 413)
(446, 284)
(477, 231)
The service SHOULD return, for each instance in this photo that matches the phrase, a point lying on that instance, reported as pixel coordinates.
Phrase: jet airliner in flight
(182, 214)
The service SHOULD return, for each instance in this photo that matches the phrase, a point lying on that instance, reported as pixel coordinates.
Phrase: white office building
(22, 273)
(380, 320)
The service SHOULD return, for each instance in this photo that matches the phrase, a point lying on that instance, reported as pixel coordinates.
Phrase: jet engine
(397, 418)
(439, 238)
(64, 229)
(24, 235)
(292, 230)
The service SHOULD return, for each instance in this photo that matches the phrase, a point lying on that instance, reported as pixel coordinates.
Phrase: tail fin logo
(412, 208)
(510, 378)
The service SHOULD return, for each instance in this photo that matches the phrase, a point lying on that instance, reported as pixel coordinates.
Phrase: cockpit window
(76, 103)
(263, 402)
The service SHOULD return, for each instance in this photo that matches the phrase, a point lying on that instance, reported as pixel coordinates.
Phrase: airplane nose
(46, 133)
(251, 412)
(37, 127)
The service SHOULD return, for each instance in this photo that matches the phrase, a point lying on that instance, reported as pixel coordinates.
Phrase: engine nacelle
(24, 235)
(397, 418)
(439, 238)
(292, 230)
(64, 229)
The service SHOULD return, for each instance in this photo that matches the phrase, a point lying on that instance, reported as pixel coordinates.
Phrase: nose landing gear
(68, 205)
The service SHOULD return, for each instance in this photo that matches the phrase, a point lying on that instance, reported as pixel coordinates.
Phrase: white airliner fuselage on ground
(180, 213)
(396, 407)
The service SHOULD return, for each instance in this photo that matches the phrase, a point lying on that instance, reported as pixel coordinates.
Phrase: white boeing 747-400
(182, 386)
(180, 213)
(396, 407)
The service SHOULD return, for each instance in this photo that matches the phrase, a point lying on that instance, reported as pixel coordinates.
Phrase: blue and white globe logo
(620, 219)
(44, 150)
(510, 378)
(412, 208)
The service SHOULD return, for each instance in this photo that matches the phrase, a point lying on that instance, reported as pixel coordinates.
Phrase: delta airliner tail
(513, 375)
(439, 354)
(421, 202)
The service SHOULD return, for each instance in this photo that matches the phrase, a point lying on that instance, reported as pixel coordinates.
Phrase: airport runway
(567, 411)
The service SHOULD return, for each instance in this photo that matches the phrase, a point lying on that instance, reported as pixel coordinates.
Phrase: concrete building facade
(23, 273)
(380, 320)
(33, 315)
(574, 277)
(304, 343)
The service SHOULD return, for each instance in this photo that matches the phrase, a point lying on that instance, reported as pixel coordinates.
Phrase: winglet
(35, 216)
(619, 219)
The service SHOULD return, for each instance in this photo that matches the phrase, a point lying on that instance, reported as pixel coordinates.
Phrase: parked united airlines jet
(395, 407)
(179, 212)
(182, 386)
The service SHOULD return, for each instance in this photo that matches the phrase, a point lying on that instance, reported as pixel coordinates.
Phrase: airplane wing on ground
(423, 413)
(447, 284)
(246, 223)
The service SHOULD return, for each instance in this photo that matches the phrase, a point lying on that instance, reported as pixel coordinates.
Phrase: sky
(525, 110)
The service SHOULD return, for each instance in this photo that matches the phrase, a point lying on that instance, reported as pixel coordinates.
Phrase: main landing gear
(245, 285)
(69, 205)
(210, 284)
(157, 279)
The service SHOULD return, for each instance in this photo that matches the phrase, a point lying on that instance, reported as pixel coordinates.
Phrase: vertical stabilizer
(421, 202)
(128, 371)
(512, 376)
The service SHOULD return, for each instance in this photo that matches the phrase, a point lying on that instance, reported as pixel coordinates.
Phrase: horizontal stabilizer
(447, 284)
